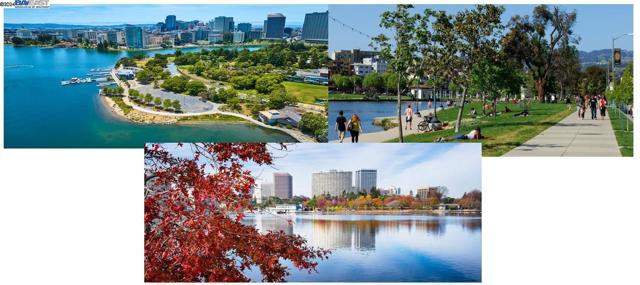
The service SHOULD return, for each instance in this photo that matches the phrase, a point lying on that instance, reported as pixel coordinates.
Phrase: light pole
(613, 43)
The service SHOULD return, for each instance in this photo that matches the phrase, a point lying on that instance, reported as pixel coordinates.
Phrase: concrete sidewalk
(572, 137)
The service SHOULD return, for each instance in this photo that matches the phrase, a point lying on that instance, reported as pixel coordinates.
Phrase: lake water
(39, 112)
(384, 248)
(368, 111)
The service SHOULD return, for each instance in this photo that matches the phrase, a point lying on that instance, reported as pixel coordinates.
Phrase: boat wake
(18, 66)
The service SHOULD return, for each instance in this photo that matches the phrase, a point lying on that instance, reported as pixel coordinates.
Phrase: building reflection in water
(273, 223)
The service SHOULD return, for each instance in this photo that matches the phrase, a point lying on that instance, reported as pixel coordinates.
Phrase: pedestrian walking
(580, 106)
(603, 107)
(341, 125)
(593, 104)
(408, 114)
(355, 127)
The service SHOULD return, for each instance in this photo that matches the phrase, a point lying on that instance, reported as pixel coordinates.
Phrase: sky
(151, 14)
(408, 166)
(596, 24)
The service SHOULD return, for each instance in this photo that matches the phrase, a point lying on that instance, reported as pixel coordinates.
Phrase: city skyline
(596, 24)
(408, 166)
(132, 14)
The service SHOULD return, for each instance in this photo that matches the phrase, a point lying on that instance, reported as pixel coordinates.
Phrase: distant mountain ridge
(602, 57)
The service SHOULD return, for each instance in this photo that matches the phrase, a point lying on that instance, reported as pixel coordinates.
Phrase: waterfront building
(153, 41)
(244, 27)
(343, 60)
(257, 193)
(283, 185)
(267, 190)
(215, 38)
(274, 26)
(378, 65)
(170, 23)
(389, 191)
(332, 182)
(223, 24)
(427, 192)
(69, 35)
(134, 36)
(362, 69)
(283, 209)
(254, 34)
(365, 180)
(238, 37)
(116, 37)
(24, 34)
(316, 27)
(91, 35)
(201, 35)
(187, 37)
(161, 27)
(102, 38)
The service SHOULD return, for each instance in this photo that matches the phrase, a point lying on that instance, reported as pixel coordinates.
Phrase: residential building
(134, 36)
(427, 192)
(244, 27)
(267, 190)
(332, 182)
(362, 69)
(238, 37)
(187, 37)
(24, 34)
(389, 191)
(254, 34)
(365, 180)
(170, 23)
(283, 185)
(91, 35)
(378, 65)
(316, 27)
(343, 60)
(274, 26)
(153, 41)
(102, 38)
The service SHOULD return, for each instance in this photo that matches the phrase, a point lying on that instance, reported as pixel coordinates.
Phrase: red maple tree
(193, 207)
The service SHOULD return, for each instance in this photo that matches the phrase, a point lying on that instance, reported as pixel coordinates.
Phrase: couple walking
(354, 126)
(594, 103)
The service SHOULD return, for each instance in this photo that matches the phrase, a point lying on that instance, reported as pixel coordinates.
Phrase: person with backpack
(603, 107)
(355, 127)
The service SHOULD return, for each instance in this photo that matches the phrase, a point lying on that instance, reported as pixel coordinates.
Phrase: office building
(170, 23)
(365, 180)
(24, 34)
(215, 38)
(223, 24)
(91, 36)
(244, 27)
(428, 192)
(201, 35)
(274, 26)
(316, 27)
(252, 35)
(187, 37)
(134, 36)
(332, 182)
(267, 190)
(283, 185)
(238, 37)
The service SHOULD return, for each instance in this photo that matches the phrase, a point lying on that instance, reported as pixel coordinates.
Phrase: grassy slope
(502, 133)
(306, 93)
(624, 137)
(124, 107)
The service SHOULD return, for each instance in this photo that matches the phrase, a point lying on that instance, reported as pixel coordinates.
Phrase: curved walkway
(572, 137)
(299, 136)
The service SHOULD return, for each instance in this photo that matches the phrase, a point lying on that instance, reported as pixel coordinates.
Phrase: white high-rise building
(365, 180)
(267, 190)
(332, 182)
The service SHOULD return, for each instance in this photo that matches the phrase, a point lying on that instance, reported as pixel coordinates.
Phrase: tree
(144, 76)
(373, 82)
(157, 101)
(593, 80)
(234, 103)
(193, 218)
(278, 99)
(148, 98)
(538, 42)
(567, 70)
(315, 124)
(496, 79)
(166, 103)
(176, 105)
(471, 200)
(400, 54)
(476, 39)
(194, 87)
(17, 41)
(177, 84)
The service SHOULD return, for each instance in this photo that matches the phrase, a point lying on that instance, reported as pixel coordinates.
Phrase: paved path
(572, 137)
(383, 136)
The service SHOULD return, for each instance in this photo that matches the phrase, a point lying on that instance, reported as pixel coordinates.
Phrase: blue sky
(150, 14)
(596, 24)
(408, 166)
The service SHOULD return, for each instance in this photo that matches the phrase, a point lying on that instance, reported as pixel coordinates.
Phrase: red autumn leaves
(194, 205)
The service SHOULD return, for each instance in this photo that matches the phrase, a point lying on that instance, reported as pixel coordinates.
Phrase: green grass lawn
(211, 117)
(623, 136)
(502, 133)
(123, 106)
(306, 93)
(361, 97)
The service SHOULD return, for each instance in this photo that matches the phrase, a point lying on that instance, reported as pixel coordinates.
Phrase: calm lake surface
(39, 112)
(384, 248)
(367, 111)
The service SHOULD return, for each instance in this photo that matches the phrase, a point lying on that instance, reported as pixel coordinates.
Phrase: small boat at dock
(76, 80)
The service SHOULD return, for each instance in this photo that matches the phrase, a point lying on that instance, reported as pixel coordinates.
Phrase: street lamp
(613, 42)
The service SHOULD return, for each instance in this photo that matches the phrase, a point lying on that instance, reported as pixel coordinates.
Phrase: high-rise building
(223, 24)
(244, 27)
(202, 35)
(274, 26)
(427, 192)
(134, 36)
(215, 38)
(365, 180)
(254, 34)
(238, 37)
(332, 182)
(161, 27)
(283, 185)
(267, 190)
(170, 23)
(187, 37)
(316, 27)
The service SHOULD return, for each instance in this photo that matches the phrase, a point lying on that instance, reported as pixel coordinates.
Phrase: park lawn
(623, 137)
(502, 133)
(211, 117)
(306, 93)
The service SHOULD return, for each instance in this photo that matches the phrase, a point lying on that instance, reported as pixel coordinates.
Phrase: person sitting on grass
(473, 113)
(506, 109)
(475, 134)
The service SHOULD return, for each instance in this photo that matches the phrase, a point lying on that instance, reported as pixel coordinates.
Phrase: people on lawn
(475, 134)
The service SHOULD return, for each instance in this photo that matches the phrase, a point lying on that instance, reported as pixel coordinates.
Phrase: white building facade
(332, 182)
